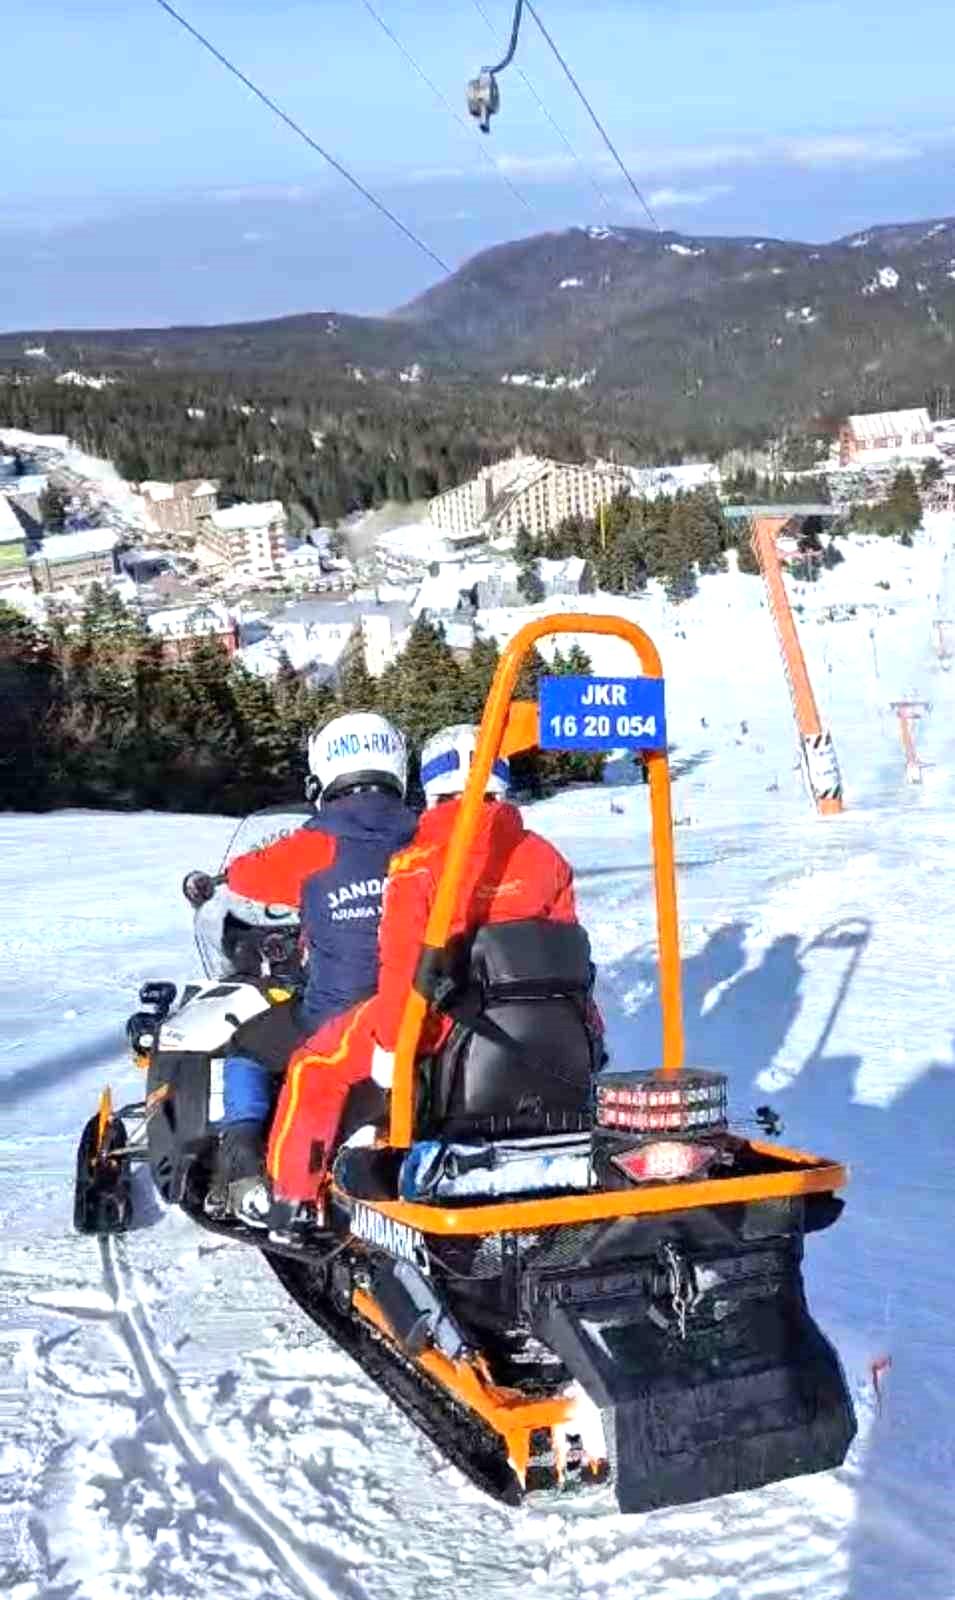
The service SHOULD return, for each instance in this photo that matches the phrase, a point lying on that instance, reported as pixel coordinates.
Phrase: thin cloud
(812, 151)
(839, 150)
(291, 192)
(437, 174)
(665, 199)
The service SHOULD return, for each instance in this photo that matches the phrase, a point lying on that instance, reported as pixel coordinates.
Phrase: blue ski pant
(252, 1076)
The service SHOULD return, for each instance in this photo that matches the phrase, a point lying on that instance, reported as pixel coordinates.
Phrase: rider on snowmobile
(512, 874)
(333, 868)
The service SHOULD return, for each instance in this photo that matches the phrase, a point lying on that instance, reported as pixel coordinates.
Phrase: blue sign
(602, 714)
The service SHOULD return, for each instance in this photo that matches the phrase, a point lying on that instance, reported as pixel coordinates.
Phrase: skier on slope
(333, 868)
(512, 874)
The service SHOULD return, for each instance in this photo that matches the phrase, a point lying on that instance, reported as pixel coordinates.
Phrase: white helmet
(359, 748)
(446, 761)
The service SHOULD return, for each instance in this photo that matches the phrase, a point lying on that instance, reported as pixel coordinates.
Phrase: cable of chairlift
(296, 128)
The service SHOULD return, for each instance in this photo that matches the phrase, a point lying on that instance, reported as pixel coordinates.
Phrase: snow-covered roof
(83, 380)
(686, 475)
(439, 594)
(303, 555)
(132, 558)
(455, 536)
(190, 488)
(184, 622)
(28, 483)
(256, 514)
(442, 592)
(877, 425)
(74, 546)
(459, 635)
(396, 591)
(305, 645)
(569, 570)
(10, 525)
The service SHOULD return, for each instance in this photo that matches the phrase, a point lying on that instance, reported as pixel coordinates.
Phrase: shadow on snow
(882, 1281)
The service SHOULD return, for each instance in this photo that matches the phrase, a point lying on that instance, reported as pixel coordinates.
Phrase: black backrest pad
(552, 957)
(523, 1062)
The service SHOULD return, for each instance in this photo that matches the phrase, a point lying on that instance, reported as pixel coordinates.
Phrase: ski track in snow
(170, 1425)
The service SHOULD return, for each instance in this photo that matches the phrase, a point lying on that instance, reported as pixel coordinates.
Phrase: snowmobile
(567, 1276)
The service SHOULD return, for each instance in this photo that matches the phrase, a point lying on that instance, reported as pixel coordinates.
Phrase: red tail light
(665, 1161)
(689, 1102)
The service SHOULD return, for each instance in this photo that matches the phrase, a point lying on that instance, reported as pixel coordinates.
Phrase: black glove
(198, 887)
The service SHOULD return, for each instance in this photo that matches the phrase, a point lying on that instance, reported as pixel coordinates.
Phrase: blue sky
(147, 186)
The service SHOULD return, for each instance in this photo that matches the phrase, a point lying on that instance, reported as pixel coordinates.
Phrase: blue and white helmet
(446, 761)
(356, 750)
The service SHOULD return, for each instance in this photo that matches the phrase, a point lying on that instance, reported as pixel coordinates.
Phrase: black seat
(522, 1055)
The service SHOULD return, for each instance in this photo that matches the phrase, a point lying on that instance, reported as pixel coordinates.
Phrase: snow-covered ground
(171, 1425)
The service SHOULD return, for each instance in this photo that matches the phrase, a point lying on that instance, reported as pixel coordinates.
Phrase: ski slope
(170, 1425)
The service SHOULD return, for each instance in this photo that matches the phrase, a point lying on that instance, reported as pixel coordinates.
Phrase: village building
(877, 435)
(320, 638)
(179, 507)
(525, 491)
(182, 628)
(74, 560)
(247, 540)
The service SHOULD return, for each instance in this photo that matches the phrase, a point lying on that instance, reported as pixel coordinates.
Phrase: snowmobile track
(238, 1499)
(474, 1449)
(461, 1437)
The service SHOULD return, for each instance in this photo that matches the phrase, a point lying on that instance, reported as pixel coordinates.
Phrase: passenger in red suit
(512, 874)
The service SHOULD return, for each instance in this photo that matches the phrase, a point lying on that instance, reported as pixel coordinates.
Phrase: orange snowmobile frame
(508, 727)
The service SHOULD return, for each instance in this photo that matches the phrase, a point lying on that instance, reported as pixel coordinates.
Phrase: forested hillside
(96, 718)
(655, 346)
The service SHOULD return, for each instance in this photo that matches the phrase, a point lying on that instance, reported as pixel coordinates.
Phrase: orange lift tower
(908, 712)
(815, 742)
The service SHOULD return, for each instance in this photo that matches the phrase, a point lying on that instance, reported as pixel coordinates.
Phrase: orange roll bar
(493, 726)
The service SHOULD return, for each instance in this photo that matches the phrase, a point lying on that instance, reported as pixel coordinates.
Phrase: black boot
(241, 1173)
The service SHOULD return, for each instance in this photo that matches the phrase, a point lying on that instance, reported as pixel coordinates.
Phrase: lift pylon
(820, 767)
(908, 713)
(942, 638)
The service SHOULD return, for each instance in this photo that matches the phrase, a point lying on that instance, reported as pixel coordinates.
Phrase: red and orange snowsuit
(512, 874)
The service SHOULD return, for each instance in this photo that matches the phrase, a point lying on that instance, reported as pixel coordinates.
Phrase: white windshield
(227, 911)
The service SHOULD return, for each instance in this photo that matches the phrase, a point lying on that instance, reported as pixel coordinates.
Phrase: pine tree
(904, 506)
(302, 710)
(53, 505)
(529, 582)
(357, 689)
(524, 549)
(477, 675)
(421, 690)
(745, 552)
(28, 694)
(561, 767)
(210, 767)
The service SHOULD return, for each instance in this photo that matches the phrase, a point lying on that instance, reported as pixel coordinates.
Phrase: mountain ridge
(679, 326)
